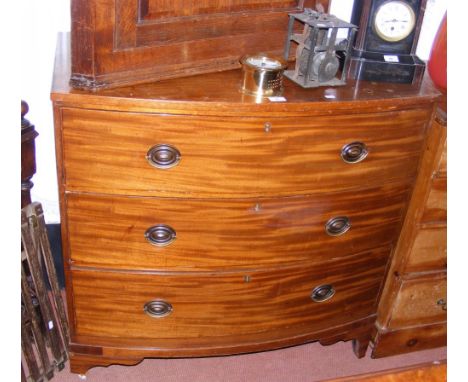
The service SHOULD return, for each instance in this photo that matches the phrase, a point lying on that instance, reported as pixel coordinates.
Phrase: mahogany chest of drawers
(197, 222)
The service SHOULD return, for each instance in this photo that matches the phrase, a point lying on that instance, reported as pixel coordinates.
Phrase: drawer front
(109, 232)
(197, 305)
(399, 341)
(442, 167)
(436, 205)
(204, 156)
(419, 302)
(429, 252)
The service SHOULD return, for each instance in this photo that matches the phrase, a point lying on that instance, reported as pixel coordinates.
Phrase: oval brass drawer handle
(160, 235)
(163, 156)
(157, 308)
(322, 293)
(337, 226)
(354, 152)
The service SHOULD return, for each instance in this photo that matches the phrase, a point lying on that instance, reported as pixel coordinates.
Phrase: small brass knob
(354, 152)
(160, 235)
(163, 156)
(157, 308)
(322, 293)
(442, 303)
(337, 226)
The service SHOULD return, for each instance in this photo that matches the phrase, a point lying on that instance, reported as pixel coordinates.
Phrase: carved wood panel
(124, 42)
(163, 9)
(162, 22)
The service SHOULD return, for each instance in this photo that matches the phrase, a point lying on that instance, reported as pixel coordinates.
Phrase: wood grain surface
(220, 345)
(429, 252)
(435, 210)
(411, 313)
(110, 304)
(219, 94)
(406, 340)
(249, 199)
(131, 351)
(155, 9)
(418, 302)
(117, 42)
(427, 372)
(109, 231)
(28, 155)
(434, 145)
(106, 152)
(442, 167)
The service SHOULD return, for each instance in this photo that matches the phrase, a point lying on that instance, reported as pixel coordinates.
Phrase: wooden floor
(418, 373)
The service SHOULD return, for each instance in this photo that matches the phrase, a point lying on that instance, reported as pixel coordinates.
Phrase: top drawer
(108, 152)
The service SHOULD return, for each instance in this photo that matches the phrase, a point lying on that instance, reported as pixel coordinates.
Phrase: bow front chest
(199, 221)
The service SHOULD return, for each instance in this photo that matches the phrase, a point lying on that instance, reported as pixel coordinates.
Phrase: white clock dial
(394, 20)
(263, 62)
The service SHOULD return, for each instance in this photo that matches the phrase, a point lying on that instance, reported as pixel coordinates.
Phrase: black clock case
(368, 55)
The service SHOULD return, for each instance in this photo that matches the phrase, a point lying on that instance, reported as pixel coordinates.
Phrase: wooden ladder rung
(44, 321)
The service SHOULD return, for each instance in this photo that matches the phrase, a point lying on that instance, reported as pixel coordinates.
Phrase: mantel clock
(385, 46)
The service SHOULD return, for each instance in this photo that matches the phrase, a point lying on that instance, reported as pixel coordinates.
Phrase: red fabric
(437, 64)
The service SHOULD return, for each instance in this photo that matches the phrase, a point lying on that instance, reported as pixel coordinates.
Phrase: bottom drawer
(207, 304)
(420, 301)
(416, 338)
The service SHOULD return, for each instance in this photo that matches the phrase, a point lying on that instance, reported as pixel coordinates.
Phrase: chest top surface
(219, 94)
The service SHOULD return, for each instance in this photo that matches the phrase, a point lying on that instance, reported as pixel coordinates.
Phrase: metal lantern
(322, 58)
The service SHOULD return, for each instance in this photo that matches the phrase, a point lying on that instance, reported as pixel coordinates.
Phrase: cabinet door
(116, 42)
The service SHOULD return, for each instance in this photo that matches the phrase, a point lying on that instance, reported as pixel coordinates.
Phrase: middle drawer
(120, 232)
